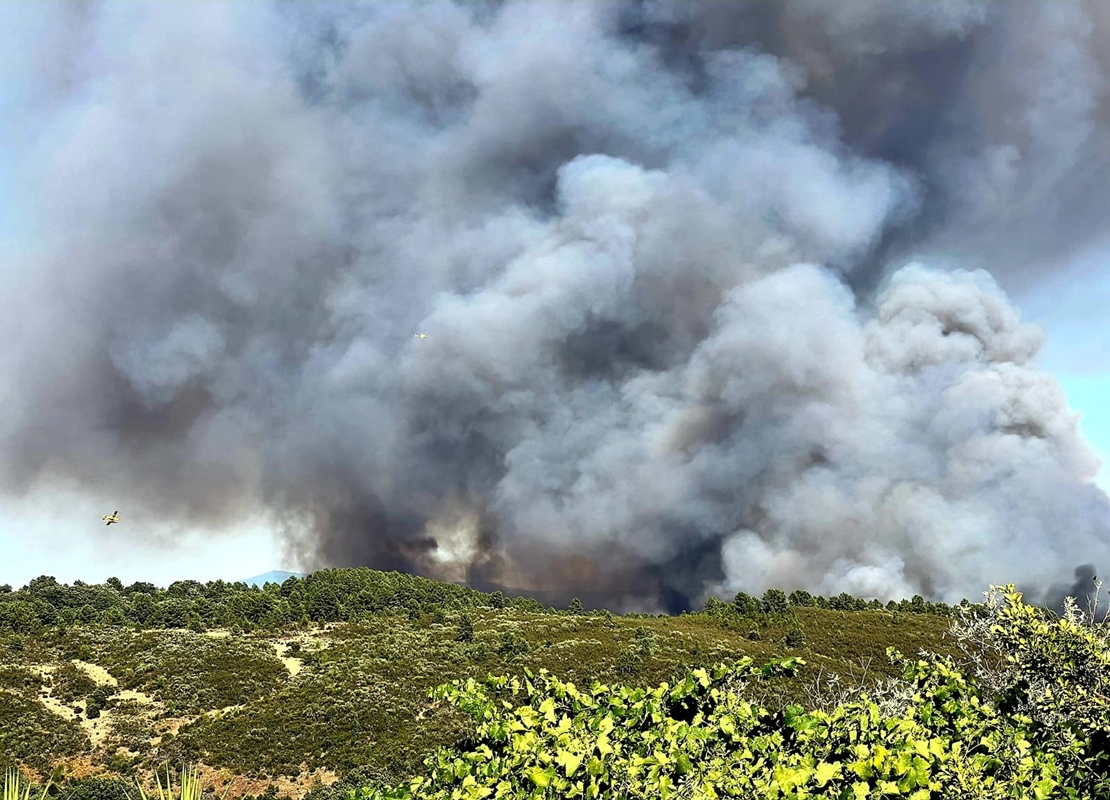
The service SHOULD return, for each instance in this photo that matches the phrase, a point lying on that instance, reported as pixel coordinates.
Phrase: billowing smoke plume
(714, 293)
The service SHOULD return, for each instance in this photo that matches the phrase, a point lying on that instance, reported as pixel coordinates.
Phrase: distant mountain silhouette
(273, 576)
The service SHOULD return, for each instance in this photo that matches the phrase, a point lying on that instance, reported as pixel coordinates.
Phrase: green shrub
(630, 662)
(71, 683)
(465, 632)
(647, 643)
(513, 645)
(98, 700)
(97, 789)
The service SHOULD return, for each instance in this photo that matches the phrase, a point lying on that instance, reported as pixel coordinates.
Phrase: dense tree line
(331, 595)
(776, 601)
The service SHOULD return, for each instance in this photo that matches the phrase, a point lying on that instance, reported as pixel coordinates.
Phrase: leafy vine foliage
(1025, 716)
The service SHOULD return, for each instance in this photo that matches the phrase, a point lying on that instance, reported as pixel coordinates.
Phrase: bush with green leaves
(97, 788)
(512, 645)
(98, 700)
(71, 683)
(465, 629)
(630, 662)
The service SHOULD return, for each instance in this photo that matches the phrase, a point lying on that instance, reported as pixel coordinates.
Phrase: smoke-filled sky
(718, 296)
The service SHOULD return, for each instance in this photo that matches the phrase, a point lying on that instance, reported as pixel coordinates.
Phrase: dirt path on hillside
(141, 706)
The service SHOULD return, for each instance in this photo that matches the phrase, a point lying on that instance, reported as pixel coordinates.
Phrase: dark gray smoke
(714, 292)
(1084, 589)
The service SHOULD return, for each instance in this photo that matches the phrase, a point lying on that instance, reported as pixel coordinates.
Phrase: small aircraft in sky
(421, 336)
(110, 518)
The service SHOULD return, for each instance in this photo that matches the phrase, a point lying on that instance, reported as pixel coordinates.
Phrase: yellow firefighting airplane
(110, 518)
(421, 335)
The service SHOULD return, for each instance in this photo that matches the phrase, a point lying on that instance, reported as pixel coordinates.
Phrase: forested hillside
(326, 678)
(393, 686)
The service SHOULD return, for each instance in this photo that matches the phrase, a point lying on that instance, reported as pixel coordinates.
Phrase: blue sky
(1072, 312)
(1090, 394)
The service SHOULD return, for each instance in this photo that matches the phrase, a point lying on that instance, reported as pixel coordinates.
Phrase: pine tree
(774, 602)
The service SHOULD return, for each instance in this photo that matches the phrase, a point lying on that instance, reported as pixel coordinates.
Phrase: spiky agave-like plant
(14, 785)
(191, 788)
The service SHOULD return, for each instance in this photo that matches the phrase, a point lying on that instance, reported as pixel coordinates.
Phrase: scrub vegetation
(362, 680)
